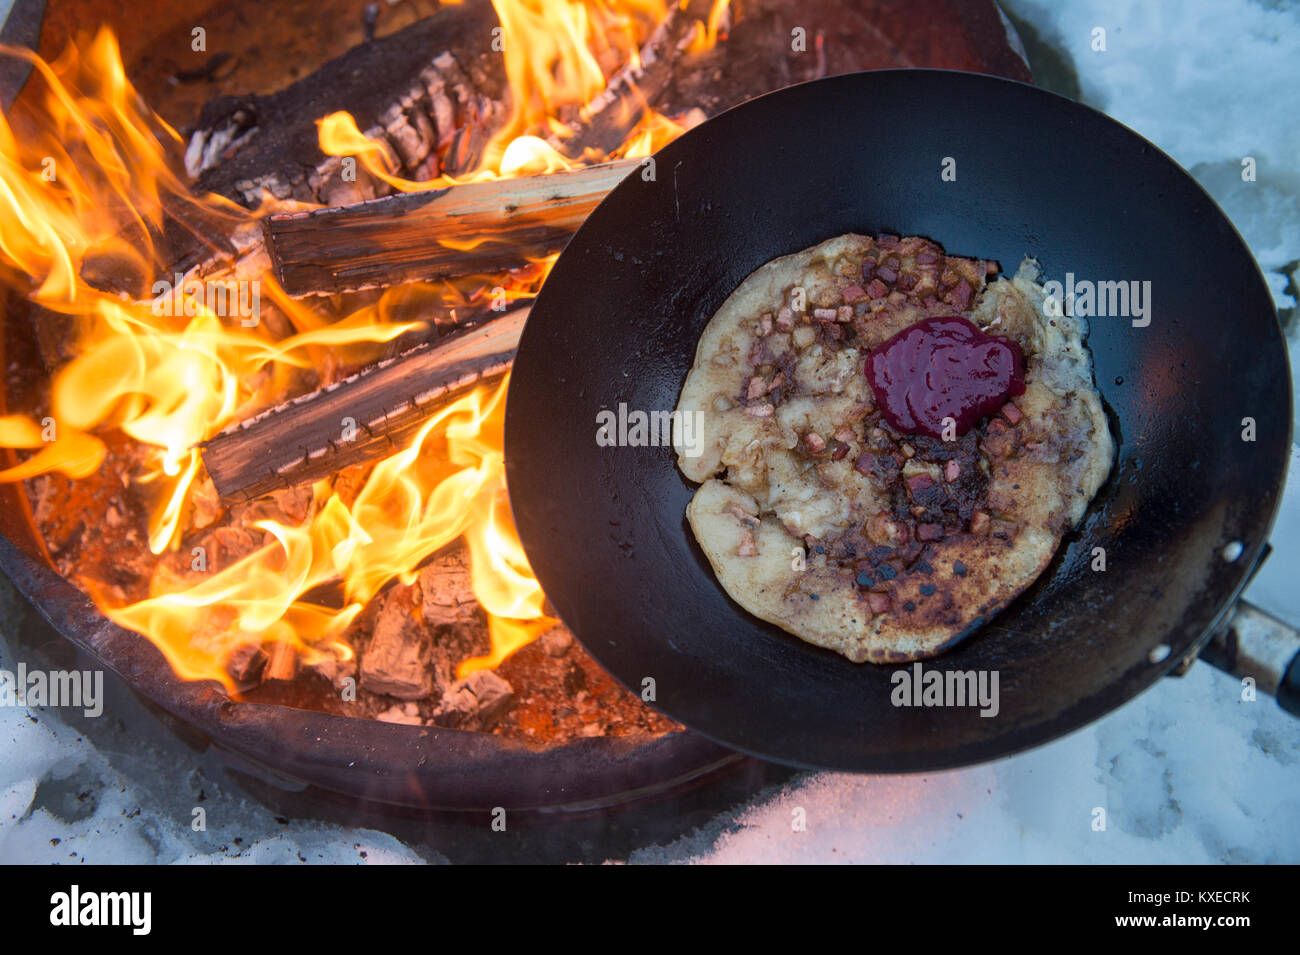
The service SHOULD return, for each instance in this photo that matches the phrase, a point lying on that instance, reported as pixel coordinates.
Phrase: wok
(1183, 519)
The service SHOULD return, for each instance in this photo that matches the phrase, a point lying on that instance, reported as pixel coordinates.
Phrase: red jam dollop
(943, 368)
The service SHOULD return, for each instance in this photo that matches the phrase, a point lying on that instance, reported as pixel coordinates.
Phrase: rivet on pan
(1159, 654)
(1232, 551)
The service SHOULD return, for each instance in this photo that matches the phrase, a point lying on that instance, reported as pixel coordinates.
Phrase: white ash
(446, 591)
(396, 660)
(398, 713)
(335, 670)
(476, 702)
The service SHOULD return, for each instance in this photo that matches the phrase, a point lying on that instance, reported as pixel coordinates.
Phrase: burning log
(367, 416)
(636, 86)
(282, 663)
(245, 665)
(431, 94)
(477, 227)
(430, 115)
(413, 90)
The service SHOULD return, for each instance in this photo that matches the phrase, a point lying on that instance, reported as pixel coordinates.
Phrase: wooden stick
(477, 227)
(362, 418)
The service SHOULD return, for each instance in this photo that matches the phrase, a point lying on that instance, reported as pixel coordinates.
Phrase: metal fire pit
(377, 763)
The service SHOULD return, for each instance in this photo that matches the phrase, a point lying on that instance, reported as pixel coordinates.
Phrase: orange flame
(449, 482)
(94, 177)
(169, 372)
(101, 149)
(554, 50)
(707, 35)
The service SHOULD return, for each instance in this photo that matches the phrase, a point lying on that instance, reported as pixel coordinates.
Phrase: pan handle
(1256, 644)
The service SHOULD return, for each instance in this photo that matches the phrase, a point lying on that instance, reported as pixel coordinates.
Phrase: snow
(1209, 83)
(1187, 772)
(62, 800)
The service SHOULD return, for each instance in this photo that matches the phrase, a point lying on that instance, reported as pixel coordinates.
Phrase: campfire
(258, 362)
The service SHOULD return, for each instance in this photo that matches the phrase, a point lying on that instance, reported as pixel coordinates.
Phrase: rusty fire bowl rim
(415, 767)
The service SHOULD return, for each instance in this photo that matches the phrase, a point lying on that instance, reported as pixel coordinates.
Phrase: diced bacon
(863, 464)
(888, 241)
(999, 446)
(841, 451)
(877, 289)
(765, 325)
(886, 274)
(927, 258)
(1012, 413)
(844, 313)
(760, 411)
(929, 532)
(879, 603)
(757, 388)
(845, 434)
(1000, 440)
(814, 442)
(919, 482)
(979, 523)
(748, 547)
(824, 314)
(777, 381)
(742, 515)
(854, 294)
(951, 471)
(961, 294)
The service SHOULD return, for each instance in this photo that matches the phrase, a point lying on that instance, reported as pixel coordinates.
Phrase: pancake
(817, 515)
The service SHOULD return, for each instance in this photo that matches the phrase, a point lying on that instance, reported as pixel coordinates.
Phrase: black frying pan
(620, 315)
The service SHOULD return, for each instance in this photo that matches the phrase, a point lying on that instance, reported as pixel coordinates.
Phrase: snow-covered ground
(1185, 773)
